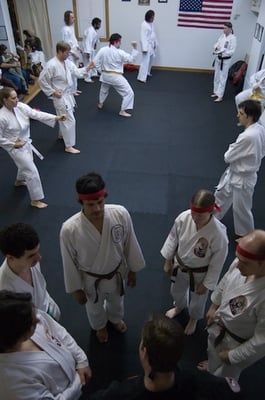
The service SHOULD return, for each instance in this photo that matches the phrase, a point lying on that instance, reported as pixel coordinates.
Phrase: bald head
(250, 253)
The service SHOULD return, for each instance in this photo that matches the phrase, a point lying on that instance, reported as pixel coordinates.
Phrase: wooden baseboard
(33, 91)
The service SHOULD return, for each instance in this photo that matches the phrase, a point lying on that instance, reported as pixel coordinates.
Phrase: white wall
(178, 47)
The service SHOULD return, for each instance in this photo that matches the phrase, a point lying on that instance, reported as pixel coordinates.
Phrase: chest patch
(117, 233)
(201, 247)
(238, 305)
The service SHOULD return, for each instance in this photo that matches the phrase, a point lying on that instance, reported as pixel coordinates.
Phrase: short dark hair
(149, 15)
(163, 339)
(115, 37)
(67, 16)
(89, 183)
(15, 239)
(15, 316)
(96, 21)
(62, 46)
(2, 48)
(228, 24)
(252, 108)
(203, 198)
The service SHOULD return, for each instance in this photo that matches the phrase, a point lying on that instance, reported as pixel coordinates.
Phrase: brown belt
(223, 331)
(189, 270)
(108, 276)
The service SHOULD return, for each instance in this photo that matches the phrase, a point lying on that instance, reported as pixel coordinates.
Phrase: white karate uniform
(109, 61)
(90, 40)
(196, 248)
(83, 249)
(149, 45)
(15, 125)
(38, 290)
(58, 76)
(226, 46)
(237, 184)
(68, 36)
(242, 310)
(47, 374)
(256, 79)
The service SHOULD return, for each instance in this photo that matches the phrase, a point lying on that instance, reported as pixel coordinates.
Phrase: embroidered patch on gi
(117, 233)
(201, 247)
(238, 305)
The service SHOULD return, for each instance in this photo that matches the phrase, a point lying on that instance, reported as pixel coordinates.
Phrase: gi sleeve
(216, 296)
(169, 247)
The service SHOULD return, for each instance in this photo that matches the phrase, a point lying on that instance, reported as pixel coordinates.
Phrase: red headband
(205, 209)
(92, 196)
(248, 255)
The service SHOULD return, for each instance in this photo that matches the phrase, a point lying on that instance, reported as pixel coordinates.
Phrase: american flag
(210, 14)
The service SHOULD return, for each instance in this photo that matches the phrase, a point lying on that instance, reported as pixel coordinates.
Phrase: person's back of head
(16, 318)
(163, 340)
(15, 239)
(115, 37)
(91, 183)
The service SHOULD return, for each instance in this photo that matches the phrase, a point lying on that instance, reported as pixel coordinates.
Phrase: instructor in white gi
(15, 139)
(39, 359)
(236, 318)
(195, 251)
(237, 184)
(99, 251)
(109, 62)
(90, 41)
(56, 81)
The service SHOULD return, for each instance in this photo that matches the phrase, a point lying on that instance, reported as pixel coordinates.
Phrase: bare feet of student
(120, 327)
(173, 312)
(100, 106)
(123, 113)
(203, 365)
(102, 335)
(20, 183)
(38, 204)
(77, 93)
(190, 327)
(72, 150)
(218, 100)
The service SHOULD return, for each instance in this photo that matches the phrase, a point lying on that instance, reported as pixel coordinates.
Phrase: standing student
(236, 185)
(224, 48)
(195, 251)
(109, 61)
(90, 41)
(99, 251)
(15, 139)
(55, 81)
(149, 46)
(20, 270)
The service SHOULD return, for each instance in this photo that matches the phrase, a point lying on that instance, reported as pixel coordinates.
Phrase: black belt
(223, 331)
(222, 60)
(108, 276)
(189, 270)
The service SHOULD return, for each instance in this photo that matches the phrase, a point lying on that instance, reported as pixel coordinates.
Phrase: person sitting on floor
(39, 359)
(11, 69)
(160, 350)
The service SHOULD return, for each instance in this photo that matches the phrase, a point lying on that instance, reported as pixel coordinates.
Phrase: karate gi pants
(220, 76)
(121, 85)
(241, 200)
(27, 170)
(215, 364)
(67, 128)
(183, 299)
(145, 66)
(110, 304)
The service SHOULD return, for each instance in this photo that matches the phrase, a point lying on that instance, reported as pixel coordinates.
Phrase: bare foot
(102, 335)
(77, 93)
(214, 95)
(100, 106)
(60, 136)
(203, 365)
(190, 327)
(218, 100)
(173, 312)
(123, 113)
(38, 204)
(20, 183)
(72, 150)
(120, 326)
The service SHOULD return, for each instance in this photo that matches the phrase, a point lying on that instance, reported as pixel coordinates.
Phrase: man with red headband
(195, 251)
(109, 61)
(236, 318)
(99, 251)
